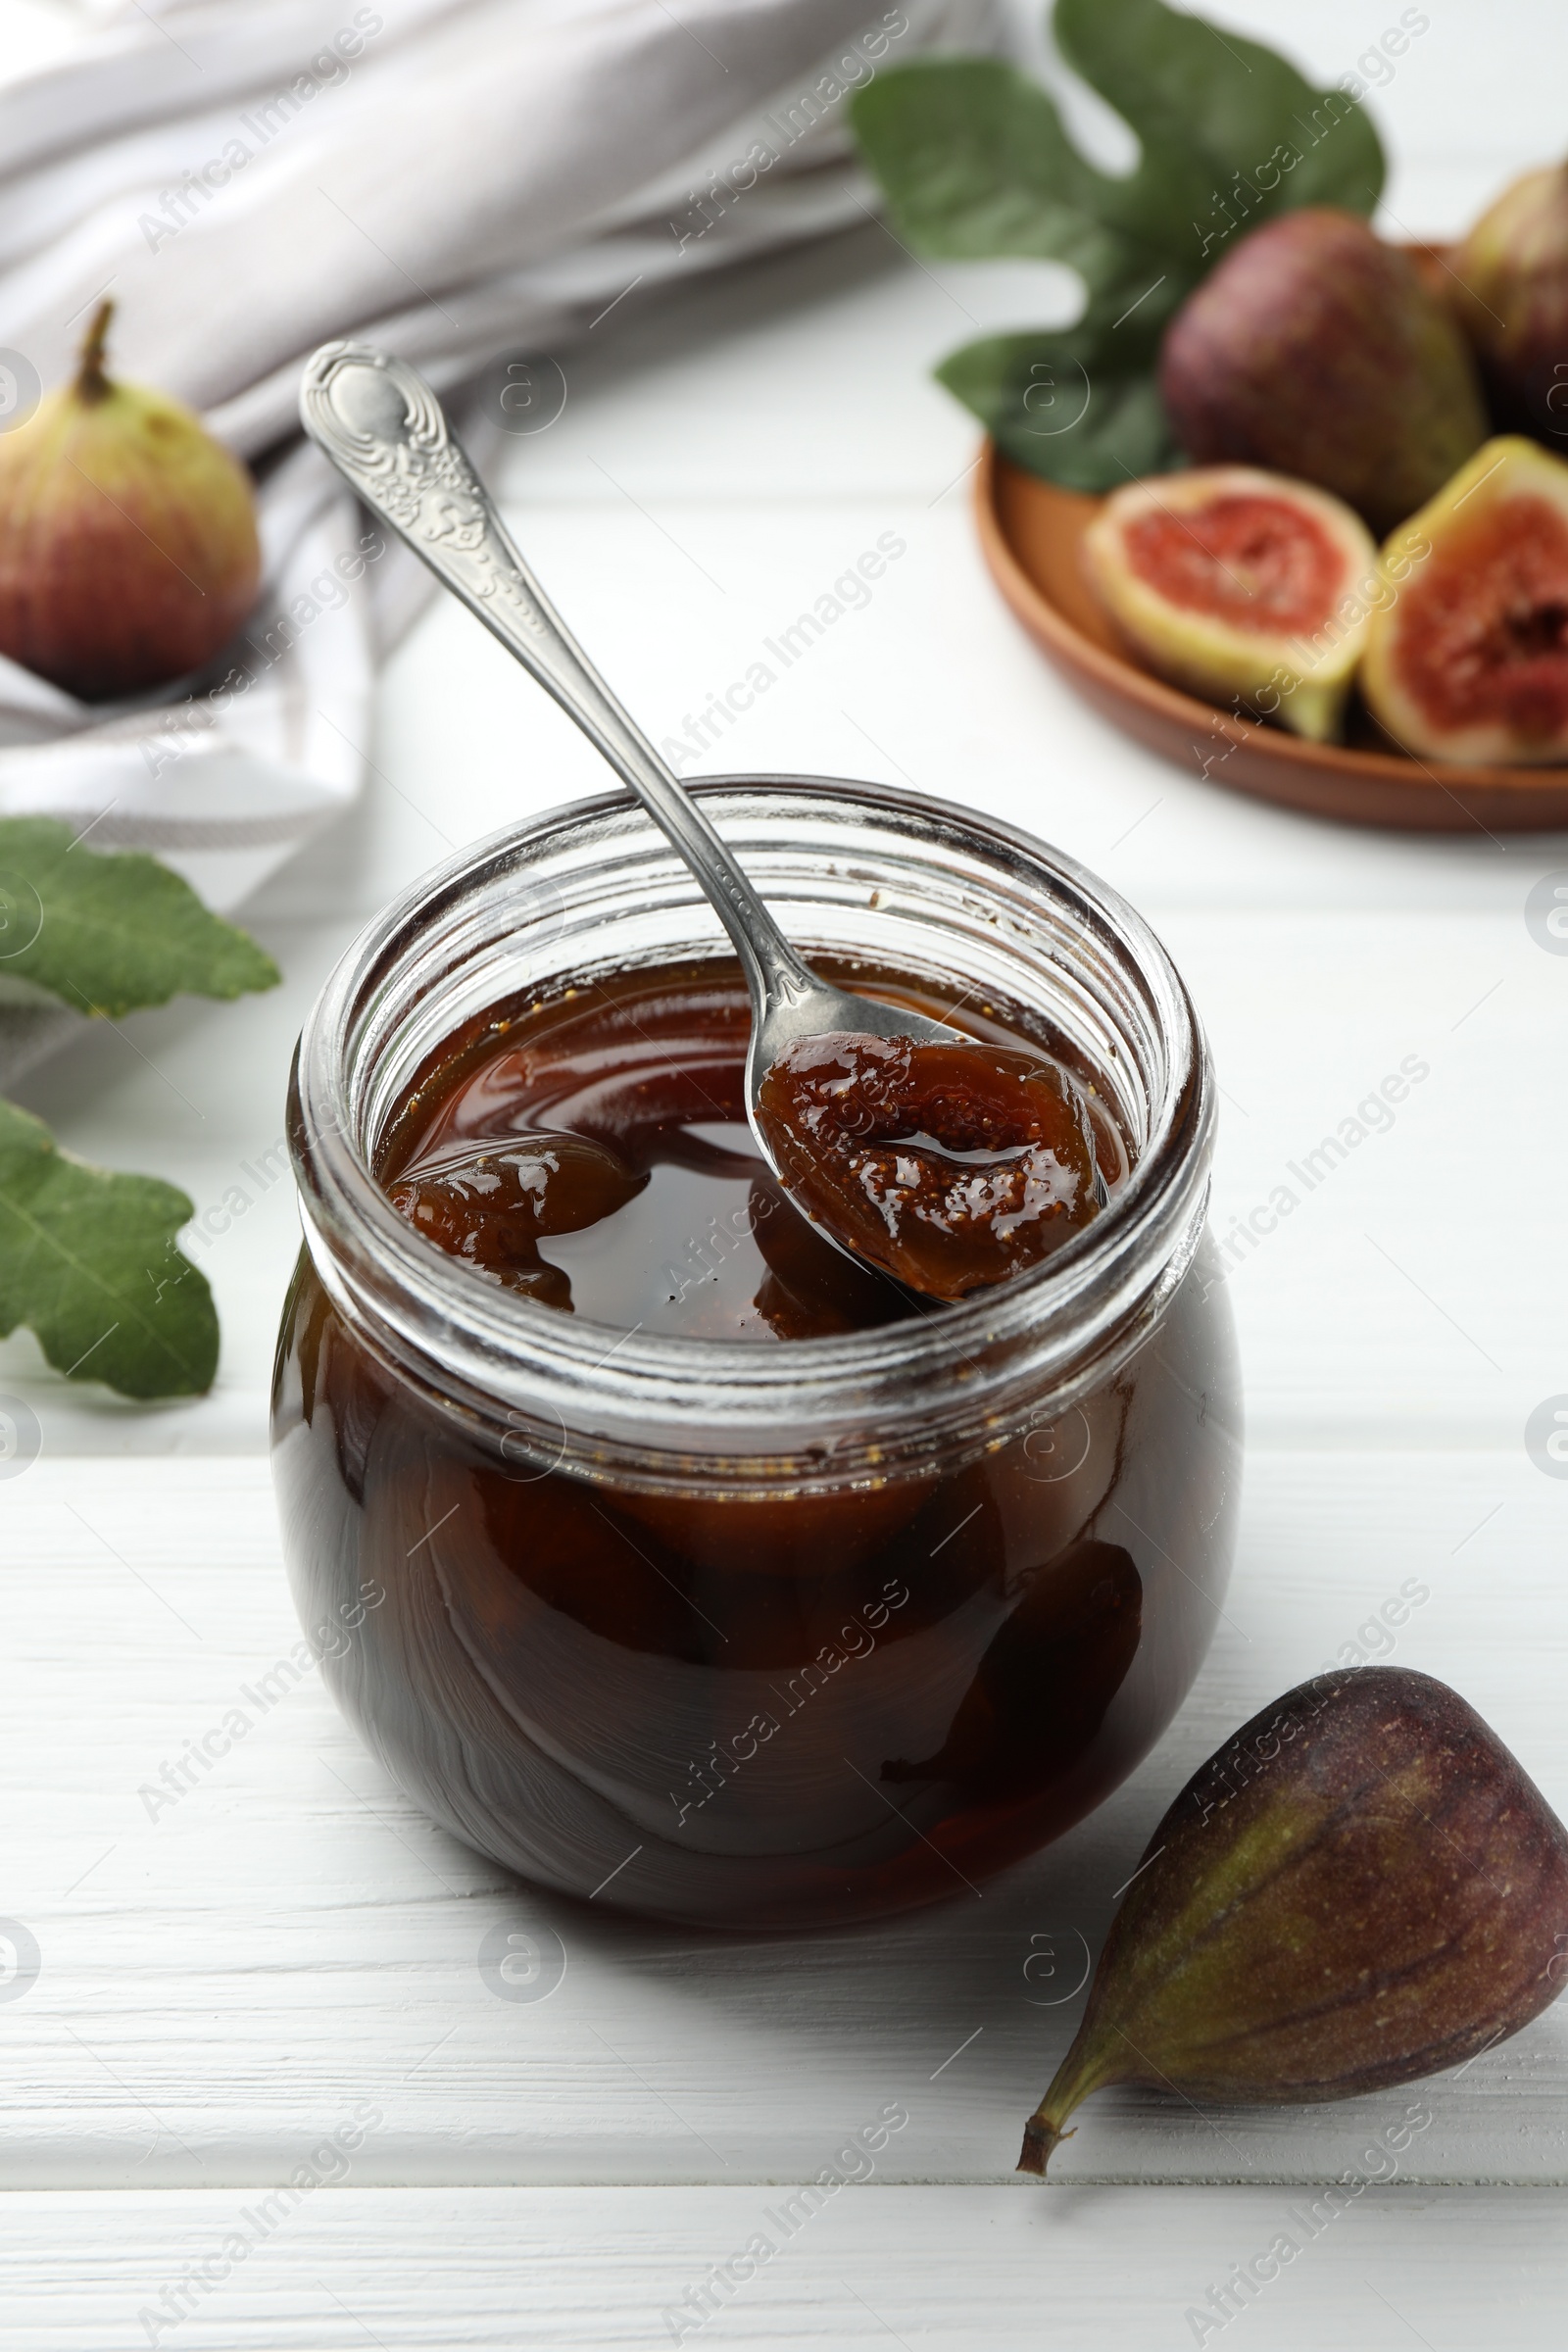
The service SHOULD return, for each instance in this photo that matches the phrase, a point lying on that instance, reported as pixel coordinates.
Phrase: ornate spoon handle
(385, 430)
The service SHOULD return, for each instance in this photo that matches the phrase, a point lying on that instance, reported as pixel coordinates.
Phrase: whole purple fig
(1318, 351)
(1360, 1887)
(1511, 295)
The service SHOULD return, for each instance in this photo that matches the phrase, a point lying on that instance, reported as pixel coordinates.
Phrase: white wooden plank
(948, 2270)
(220, 1988)
(1412, 1295)
(930, 683)
(228, 1978)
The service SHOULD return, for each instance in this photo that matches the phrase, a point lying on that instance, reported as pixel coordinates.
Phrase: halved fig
(1467, 656)
(1242, 585)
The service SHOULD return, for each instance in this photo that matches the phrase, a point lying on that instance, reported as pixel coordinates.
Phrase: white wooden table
(265, 2017)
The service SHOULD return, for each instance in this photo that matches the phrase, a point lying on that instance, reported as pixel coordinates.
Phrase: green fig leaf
(89, 1263)
(1211, 105)
(1033, 391)
(975, 164)
(109, 932)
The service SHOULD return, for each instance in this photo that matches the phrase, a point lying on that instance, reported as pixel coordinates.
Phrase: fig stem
(1041, 2140)
(1084, 2070)
(91, 381)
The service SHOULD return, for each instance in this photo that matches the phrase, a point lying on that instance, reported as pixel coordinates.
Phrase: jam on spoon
(950, 1166)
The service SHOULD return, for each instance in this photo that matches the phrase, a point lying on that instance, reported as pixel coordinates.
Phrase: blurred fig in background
(129, 553)
(1242, 585)
(1316, 350)
(1467, 654)
(1511, 293)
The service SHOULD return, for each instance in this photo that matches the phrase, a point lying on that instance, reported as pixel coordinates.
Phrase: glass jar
(759, 1635)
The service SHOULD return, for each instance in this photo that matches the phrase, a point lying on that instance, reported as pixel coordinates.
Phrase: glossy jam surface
(791, 1701)
(592, 1152)
(492, 1208)
(952, 1167)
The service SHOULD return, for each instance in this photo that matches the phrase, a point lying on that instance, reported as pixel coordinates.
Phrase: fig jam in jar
(723, 1580)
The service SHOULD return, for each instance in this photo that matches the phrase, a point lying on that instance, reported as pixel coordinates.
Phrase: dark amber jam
(593, 1151)
(789, 1704)
(952, 1166)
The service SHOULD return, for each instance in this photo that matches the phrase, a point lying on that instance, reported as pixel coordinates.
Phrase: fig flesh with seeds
(129, 553)
(1316, 350)
(1467, 653)
(1360, 1887)
(1244, 586)
(1510, 290)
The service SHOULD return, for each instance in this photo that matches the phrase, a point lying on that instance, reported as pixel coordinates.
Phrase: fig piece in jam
(950, 1166)
(490, 1208)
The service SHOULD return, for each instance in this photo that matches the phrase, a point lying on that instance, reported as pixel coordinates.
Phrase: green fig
(129, 553)
(1316, 350)
(1512, 294)
(1360, 1887)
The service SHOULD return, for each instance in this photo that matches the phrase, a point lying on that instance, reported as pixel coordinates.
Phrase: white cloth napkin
(457, 180)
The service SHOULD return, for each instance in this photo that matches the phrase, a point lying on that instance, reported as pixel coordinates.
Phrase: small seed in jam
(952, 1166)
(490, 1206)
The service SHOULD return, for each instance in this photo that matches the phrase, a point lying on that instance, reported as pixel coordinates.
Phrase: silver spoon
(385, 430)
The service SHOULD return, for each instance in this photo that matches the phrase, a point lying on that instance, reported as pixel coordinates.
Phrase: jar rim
(584, 1391)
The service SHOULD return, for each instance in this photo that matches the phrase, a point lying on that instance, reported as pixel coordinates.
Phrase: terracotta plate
(1030, 532)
